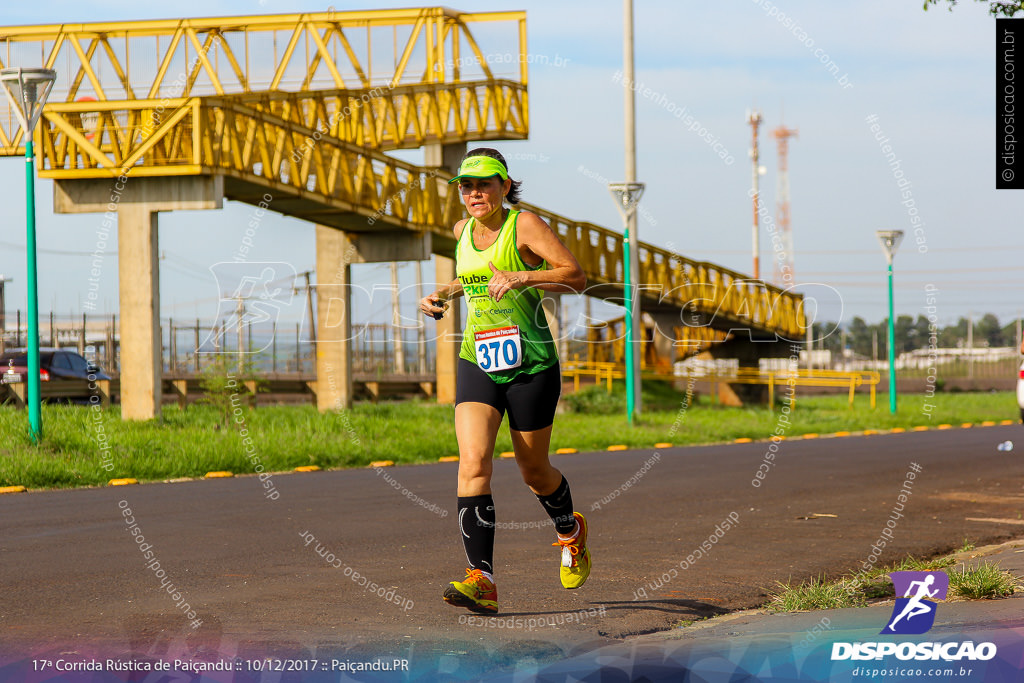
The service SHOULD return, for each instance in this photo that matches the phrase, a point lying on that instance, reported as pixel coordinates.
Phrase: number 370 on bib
(499, 349)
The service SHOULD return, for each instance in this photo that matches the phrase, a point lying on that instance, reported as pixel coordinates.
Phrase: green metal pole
(892, 347)
(628, 348)
(35, 416)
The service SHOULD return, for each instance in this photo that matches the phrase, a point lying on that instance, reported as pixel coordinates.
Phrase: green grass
(818, 593)
(987, 581)
(857, 590)
(196, 440)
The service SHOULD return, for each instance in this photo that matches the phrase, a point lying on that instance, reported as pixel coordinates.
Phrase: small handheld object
(438, 316)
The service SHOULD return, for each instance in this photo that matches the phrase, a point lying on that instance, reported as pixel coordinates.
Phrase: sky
(922, 83)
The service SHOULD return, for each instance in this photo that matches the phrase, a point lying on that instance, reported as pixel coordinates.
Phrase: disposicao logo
(914, 614)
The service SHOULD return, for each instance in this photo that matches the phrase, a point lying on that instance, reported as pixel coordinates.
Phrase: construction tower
(783, 271)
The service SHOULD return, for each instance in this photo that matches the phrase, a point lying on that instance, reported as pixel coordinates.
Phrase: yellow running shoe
(575, 556)
(477, 593)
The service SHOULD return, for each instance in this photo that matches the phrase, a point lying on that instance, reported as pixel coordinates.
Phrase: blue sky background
(929, 77)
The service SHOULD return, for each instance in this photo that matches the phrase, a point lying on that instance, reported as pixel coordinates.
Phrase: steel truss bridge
(305, 108)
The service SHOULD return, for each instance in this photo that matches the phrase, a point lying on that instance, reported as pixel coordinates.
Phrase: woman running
(507, 363)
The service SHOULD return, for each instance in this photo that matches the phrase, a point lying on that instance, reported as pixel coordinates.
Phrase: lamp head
(27, 90)
(890, 241)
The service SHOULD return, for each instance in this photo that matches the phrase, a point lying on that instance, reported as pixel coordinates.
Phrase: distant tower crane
(783, 272)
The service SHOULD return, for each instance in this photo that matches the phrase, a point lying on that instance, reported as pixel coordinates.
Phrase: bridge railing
(236, 138)
(110, 134)
(176, 58)
(673, 281)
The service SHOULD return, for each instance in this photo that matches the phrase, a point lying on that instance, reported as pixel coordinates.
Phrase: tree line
(860, 336)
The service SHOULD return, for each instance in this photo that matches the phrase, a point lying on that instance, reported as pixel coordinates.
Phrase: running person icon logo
(914, 613)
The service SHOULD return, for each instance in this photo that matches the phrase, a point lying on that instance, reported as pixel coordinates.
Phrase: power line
(58, 252)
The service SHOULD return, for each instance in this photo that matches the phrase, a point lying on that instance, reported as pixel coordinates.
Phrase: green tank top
(504, 338)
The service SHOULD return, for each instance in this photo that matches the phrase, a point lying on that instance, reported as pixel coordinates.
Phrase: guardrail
(804, 378)
(605, 372)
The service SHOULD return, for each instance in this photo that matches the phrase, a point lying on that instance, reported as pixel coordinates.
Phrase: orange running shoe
(575, 567)
(477, 593)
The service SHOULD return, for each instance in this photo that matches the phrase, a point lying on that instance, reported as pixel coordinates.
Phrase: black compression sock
(559, 507)
(476, 523)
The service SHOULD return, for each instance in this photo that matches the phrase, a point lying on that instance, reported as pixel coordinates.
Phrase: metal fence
(191, 346)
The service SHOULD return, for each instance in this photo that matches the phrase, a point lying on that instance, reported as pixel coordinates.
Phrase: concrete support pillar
(333, 320)
(448, 335)
(139, 292)
(447, 157)
(449, 328)
(136, 202)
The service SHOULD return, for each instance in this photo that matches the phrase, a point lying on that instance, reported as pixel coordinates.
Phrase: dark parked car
(54, 364)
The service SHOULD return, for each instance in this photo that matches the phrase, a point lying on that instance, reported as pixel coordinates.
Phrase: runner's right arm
(433, 304)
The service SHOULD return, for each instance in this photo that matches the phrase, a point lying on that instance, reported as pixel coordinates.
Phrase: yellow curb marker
(1006, 422)
(307, 468)
(841, 434)
(921, 428)
(811, 436)
(966, 425)
(565, 451)
(945, 426)
(897, 430)
(869, 432)
(742, 439)
(988, 423)
(663, 444)
(507, 454)
(618, 447)
(12, 489)
(448, 458)
(382, 463)
(219, 475)
(123, 482)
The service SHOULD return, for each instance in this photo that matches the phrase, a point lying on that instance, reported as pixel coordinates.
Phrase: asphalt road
(73, 575)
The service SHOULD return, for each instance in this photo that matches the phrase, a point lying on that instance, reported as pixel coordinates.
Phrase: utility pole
(312, 321)
(309, 307)
(970, 344)
(421, 331)
(396, 321)
(240, 313)
(842, 350)
(3, 305)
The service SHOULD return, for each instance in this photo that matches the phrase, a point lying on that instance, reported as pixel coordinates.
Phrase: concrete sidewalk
(755, 645)
(957, 616)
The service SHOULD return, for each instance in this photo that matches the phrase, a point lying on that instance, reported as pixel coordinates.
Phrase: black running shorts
(530, 400)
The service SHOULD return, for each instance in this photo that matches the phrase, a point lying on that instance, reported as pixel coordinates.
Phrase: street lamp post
(890, 240)
(627, 195)
(27, 90)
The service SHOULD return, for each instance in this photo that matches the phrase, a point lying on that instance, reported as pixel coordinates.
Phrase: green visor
(480, 167)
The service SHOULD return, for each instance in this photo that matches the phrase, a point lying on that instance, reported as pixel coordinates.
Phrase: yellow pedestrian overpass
(298, 112)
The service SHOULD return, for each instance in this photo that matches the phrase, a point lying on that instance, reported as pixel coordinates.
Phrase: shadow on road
(693, 608)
